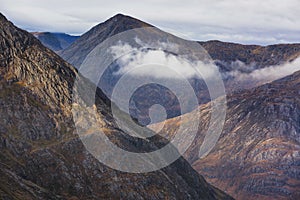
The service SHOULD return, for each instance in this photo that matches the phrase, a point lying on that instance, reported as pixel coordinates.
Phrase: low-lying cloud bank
(253, 77)
(130, 58)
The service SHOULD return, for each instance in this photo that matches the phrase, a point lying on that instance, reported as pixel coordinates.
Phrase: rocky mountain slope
(42, 158)
(261, 55)
(257, 155)
(233, 60)
(55, 41)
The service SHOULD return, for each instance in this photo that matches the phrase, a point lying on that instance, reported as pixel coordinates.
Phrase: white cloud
(270, 73)
(240, 74)
(169, 63)
(249, 76)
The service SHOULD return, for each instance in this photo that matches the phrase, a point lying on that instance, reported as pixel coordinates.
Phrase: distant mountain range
(55, 41)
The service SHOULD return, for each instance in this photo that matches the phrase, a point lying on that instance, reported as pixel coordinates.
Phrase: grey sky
(255, 21)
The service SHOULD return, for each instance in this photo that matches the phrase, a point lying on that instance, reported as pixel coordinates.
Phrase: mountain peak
(125, 22)
(120, 15)
(122, 18)
(117, 24)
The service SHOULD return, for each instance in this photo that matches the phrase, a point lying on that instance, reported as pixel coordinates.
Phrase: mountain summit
(76, 53)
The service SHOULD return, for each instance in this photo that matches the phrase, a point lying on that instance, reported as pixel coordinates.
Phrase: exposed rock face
(55, 41)
(42, 158)
(257, 155)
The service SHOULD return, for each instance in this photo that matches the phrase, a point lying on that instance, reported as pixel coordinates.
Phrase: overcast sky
(248, 22)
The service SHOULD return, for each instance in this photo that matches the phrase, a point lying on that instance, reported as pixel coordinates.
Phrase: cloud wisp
(246, 76)
(249, 76)
(181, 65)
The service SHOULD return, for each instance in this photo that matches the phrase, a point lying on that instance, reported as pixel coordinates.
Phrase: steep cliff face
(257, 155)
(42, 158)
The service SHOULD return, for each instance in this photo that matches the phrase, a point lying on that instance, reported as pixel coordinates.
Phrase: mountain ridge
(262, 55)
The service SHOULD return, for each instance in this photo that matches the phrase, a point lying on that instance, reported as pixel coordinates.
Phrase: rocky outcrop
(42, 158)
